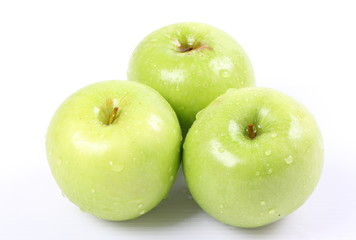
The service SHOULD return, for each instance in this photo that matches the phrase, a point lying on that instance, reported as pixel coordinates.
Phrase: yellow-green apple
(190, 64)
(114, 149)
(253, 156)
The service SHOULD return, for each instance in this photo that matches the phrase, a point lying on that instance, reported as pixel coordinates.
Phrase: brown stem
(183, 49)
(113, 115)
(251, 131)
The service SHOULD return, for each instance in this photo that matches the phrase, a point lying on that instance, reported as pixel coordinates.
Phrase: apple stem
(251, 131)
(183, 49)
(113, 115)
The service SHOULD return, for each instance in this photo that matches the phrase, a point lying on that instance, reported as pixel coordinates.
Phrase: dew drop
(262, 203)
(221, 212)
(271, 211)
(261, 213)
(170, 169)
(274, 135)
(257, 173)
(268, 152)
(269, 171)
(221, 149)
(93, 190)
(171, 178)
(140, 205)
(289, 159)
(221, 206)
(116, 167)
(142, 212)
(224, 73)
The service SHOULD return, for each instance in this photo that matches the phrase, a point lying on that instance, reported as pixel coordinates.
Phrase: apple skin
(118, 171)
(190, 79)
(248, 182)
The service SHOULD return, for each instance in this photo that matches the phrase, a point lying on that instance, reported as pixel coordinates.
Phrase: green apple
(190, 64)
(114, 149)
(253, 156)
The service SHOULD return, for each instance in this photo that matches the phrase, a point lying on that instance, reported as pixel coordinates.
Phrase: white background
(49, 49)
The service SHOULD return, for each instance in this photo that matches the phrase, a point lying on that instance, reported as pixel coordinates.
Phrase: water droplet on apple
(268, 152)
(269, 171)
(170, 169)
(246, 100)
(221, 149)
(262, 203)
(142, 212)
(274, 135)
(140, 205)
(221, 212)
(171, 178)
(221, 206)
(124, 92)
(257, 173)
(261, 213)
(93, 190)
(271, 211)
(224, 73)
(258, 126)
(289, 159)
(117, 168)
